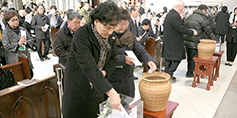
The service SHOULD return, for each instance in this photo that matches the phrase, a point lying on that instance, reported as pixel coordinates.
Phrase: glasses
(76, 22)
(123, 24)
(14, 20)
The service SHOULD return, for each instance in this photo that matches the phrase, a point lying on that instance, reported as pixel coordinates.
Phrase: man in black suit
(133, 23)
(141, 9)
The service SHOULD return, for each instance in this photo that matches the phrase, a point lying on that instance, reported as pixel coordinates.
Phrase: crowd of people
(91, 44)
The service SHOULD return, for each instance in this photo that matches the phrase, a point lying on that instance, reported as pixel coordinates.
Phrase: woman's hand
(22, 40)
(129, 60)
(103, 72)
(114, 99)
(152, 66)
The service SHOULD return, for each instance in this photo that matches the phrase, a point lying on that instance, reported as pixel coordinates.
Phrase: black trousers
(222, 37)
(231, 51)
(171, 66)
(123, 84)
(190, 54)
(46, 47)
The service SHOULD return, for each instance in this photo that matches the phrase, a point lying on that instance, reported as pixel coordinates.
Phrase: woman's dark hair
(53, 7)
(11, 13)
(4, 3)
(146, 22)
(224, 9)
(124, 15)
(106, 12)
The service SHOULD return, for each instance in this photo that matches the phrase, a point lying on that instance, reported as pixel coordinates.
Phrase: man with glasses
(41, 24)
(63, 38)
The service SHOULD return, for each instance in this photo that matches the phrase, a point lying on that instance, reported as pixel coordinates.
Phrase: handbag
(6, 79)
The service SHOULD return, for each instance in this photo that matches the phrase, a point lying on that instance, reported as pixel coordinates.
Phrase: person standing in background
(173, 43)
(63, 37)
(222, 24)
(231, 38)
(200, 22)
(86, 11)
(40, 23)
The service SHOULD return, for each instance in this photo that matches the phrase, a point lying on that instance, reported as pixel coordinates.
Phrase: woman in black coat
(222, 24)
(91, 61)
(122, 78)
(231, 39)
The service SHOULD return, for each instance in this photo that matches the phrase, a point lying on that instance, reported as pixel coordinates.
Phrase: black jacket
(37, 22)
(231, 32)
(81, 69)
(173, 43)
(199, 22)
(222, 22)
(62, 44)
(133, 28)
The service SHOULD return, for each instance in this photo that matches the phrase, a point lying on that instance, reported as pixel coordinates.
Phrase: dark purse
(6, 79)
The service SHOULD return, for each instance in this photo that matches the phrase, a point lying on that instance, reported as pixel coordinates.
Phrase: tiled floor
(193, 102)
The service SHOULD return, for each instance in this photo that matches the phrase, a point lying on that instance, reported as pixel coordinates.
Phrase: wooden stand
(167, 113)
(219, 54)
(205, 67)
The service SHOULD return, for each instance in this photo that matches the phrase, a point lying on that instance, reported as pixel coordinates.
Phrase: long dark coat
(222, 22)
(173, 43)
(80, 99)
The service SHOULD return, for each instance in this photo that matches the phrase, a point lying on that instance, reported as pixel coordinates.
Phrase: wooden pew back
(36, 101)
(21, 69)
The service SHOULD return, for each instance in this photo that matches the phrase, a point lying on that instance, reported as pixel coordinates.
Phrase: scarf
(104, 47)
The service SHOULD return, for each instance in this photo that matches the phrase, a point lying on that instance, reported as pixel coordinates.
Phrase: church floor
(193, 102)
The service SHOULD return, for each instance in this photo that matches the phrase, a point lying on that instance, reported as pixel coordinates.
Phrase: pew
(20, 69)
(39, 100)
(153, 47)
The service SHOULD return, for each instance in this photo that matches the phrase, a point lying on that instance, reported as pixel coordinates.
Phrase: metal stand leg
(59, 74)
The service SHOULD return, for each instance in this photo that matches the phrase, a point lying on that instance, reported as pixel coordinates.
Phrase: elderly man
(173, 43)
(63, 37)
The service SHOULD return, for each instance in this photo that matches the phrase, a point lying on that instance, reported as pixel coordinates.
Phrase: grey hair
(71, 15)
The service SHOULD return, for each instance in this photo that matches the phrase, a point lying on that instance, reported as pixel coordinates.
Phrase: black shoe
(189, 74)
(172, 79)
(41, 59)
(227, 63)
(47, 58)
(231, 63)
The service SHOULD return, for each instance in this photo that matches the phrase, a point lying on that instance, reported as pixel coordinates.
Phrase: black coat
(201, 23)
(37, 22)
(222, 22)
(62, 44)
(80, 99)
(173, 43)
(231, 32)
(122, 78)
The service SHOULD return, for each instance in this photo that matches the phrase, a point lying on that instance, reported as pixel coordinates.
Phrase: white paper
(23, 33)
(132, 55)
(46, 26)
(119, 114)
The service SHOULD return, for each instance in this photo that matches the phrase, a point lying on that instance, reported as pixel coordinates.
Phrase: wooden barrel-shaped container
(206, 48)
(155, 90)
